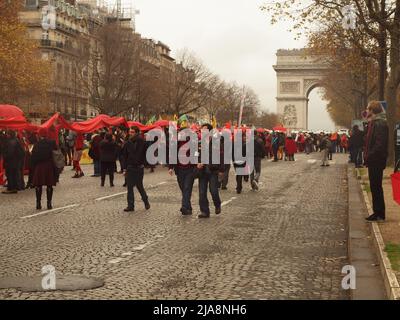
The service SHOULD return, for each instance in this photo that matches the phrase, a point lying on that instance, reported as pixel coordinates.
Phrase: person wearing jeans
(185, 177)
(185, 173)
(376, 153)
(209, 175)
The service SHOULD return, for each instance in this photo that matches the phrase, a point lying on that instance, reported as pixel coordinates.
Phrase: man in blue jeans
(208, 177)
(185, 174)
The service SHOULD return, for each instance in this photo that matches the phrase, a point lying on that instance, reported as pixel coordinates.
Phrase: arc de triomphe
(297, 74)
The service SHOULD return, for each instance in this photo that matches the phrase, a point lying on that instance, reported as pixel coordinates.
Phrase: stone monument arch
(297, 75)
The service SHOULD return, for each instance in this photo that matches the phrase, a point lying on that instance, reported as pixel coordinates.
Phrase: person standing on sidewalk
(375, 156)
(134, 154)
(356, 142)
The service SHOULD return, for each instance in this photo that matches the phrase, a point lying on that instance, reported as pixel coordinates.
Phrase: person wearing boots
(45, 171)
(134, 154)
(108, 150)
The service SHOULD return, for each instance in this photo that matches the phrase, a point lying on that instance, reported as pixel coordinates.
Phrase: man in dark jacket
(108, 157)
(208, 176)
(95, 152)
(375, 156)
(185, 173)
(259, 154)
(13, 156)
(134, 155)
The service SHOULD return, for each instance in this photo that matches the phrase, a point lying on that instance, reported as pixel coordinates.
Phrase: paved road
(286, 241)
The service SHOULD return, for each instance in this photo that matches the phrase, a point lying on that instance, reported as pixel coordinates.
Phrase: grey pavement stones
(286, 241)
(369, 282)
(62, 283)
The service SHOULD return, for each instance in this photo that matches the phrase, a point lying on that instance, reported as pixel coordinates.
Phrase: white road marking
(141, 247)
(312, 161)
(49, 211)
(125, 192)
(116, 260)
(228, 201)
(127, 254)
(111, 196)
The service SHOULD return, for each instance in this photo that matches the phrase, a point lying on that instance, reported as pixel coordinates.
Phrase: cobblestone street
(286, 241)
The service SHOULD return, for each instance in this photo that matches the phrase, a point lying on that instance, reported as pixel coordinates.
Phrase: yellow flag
(214, 122)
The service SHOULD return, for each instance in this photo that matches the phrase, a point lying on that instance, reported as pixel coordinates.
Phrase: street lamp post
(139, 107)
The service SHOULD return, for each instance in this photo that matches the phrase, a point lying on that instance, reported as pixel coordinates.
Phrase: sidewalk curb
(389, 278)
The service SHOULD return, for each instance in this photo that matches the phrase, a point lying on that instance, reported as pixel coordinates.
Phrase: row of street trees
(120, 76)
(360, 39)
(22, 71)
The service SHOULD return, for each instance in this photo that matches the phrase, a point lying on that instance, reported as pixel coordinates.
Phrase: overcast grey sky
(232, 37)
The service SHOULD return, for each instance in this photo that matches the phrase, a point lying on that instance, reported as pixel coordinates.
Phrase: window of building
(31, 4)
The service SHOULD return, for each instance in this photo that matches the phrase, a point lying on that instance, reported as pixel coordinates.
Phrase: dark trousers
(225, 178)
(275, 152)
(97, 167)
(358, 157)
(12, 178)
(107, 168)
(375, 182)
(134, 178)
(185, 181)
(255, 175)
(208, 179)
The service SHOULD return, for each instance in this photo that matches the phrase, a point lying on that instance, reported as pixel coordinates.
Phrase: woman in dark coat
(45, 172)
(108, 157)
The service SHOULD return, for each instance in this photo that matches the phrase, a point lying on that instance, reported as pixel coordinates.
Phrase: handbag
(58, 159)
(395, 178)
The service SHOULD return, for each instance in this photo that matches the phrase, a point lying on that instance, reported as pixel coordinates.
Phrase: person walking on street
(325, 146)
(376, 153)
(45, 172)
(78, 150)
(209, 174)
(185, 173)
(134, 154)
(94, 152)
(259, 154)
(108, 157)
(275, 146)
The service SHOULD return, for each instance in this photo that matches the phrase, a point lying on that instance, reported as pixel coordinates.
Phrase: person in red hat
(45, 172)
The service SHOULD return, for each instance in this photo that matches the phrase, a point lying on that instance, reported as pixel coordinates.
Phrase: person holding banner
(78, 150)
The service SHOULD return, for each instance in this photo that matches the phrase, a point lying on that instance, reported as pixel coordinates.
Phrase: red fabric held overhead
(10, 111)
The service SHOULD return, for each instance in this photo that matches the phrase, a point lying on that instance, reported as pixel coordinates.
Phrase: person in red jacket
(78, 150)
(290, 148)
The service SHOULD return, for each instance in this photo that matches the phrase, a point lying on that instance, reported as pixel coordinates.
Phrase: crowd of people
(43, 156)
